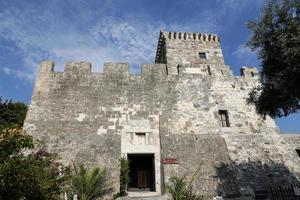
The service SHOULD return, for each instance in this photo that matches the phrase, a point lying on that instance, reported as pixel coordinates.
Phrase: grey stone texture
(91, 117)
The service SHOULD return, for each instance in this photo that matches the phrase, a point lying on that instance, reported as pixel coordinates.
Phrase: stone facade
(96, 118)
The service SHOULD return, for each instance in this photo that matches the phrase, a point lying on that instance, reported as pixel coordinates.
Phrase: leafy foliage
(90, 184)
(12, 113)
(276, 38)
(181, 188)
(32, 176)
(124, 177)
(13, 141)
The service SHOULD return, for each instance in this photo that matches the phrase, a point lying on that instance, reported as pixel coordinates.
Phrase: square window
(202, 55)
(224, 119)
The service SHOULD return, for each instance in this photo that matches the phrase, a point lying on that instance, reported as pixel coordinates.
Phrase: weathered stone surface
(93, 117)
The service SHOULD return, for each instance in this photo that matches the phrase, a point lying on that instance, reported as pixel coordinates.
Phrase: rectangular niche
(140, 138)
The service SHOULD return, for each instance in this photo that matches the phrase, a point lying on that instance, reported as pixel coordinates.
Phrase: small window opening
(224, 119)
(222, 72)
(178, 69)
(140, 134)
(167, 70)
(208, 69)
(252, 74)
(202, 55)
(242, 73)
(298, 152)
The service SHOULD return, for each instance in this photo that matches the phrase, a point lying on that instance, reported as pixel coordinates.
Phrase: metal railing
(287, 192)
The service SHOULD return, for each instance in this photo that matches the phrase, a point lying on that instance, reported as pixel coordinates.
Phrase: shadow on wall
(242, 179)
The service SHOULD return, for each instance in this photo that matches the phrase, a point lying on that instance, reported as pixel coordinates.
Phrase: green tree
(90, 184)
(31, 176)
(12, 113)
(276, 38)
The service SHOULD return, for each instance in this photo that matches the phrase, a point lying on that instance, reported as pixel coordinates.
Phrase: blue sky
(99, 31)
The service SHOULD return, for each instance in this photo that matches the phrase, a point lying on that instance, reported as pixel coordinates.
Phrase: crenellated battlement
(78, 68)
(46, 66)
(111, 70)
(204, 37)
(181, 36)
(249, 72)
(188, 48)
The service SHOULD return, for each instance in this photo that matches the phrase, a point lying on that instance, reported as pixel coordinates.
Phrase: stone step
(144, 198)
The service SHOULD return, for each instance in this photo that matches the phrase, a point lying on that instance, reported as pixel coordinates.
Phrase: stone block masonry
(170, 111)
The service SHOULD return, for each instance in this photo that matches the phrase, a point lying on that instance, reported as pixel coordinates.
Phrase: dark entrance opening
(141, 172)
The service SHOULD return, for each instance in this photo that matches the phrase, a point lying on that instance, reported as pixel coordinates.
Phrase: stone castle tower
(185, 114)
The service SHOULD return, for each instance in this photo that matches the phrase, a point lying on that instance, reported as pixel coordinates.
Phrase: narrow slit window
(298, 152)
(202, 55)
(242, 73)
(224, 119)
(209, 70)
(252, 74)
(178, 69)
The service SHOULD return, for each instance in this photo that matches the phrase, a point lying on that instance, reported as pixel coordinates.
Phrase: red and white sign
(170, 161)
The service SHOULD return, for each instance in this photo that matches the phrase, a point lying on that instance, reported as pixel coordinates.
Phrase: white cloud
(245, 55)
(51, 35)
(20, 74)
(237, 6)
(95, 56)
(134, 43)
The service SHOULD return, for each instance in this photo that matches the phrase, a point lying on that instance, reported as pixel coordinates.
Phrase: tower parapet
(77, 68)
(46, 66)
(176, 48)
(249, 72)
(204, 37)
(120, 70)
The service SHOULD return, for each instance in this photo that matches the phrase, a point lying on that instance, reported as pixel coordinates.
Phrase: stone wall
(90, 117)
(82, 115)
(257, 162)
(197, 155)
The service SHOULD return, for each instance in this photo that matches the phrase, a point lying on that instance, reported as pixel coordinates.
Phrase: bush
(89, 184)
(124, 177)
(33, 176)
(181, 188)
